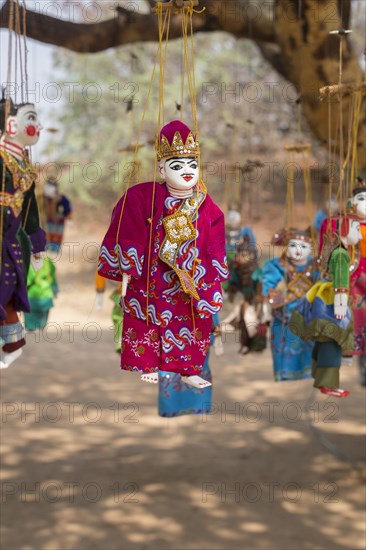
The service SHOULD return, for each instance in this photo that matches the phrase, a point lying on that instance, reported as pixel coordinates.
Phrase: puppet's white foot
(3, 365)
(152, 377)
(196, 381)
(334, 392)
(9, 358)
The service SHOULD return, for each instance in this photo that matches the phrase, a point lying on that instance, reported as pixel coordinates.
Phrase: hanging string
(10, 40)
(23, 76)
(189, 57)
(355, 129)
(341, 142)
(142, 121)
(16, 51)
(299, 123)
(330, 164)
(290, 193)
(235, 138)
(19, 41)
(350, 161)
(188, 48)
(251, 197)
(26, 77)
(341, 137)
(163, 58)
(182, 86)
(192, 66)
(7, 111)
(162, 27)
(308, 191)
(161, 55)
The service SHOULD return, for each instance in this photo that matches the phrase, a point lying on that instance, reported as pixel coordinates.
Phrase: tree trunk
(296, 41)
(311, 55)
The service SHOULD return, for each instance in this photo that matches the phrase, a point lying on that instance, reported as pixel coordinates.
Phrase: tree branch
(318, 65)
(131, 26)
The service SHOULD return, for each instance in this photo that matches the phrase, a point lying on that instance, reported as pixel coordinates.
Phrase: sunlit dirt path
(86, 463)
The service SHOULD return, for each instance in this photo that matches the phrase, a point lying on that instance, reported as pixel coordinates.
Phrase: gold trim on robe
(179, 229)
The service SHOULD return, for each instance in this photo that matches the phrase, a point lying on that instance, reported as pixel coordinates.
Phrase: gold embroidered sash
(297, 285)
(22, 180)
(15, 202)
(179, 229)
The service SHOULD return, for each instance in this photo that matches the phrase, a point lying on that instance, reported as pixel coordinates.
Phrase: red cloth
(174, 348)
(170, 129)
(125, 248)
(328, 225)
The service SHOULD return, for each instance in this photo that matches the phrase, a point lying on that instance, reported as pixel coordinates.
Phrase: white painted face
(299, 250)
(332, 206)
(359, 202)
(233, 219)
(180, 172)
(24, 127)
(50, 191)
(354, 234)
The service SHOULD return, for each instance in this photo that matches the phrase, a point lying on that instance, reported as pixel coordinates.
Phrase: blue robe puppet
(285, 282)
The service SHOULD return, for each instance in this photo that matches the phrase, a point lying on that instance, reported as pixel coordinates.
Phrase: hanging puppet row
(165, 247)
(297, 287)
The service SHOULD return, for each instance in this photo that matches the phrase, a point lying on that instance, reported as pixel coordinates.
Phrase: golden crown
(177, 148)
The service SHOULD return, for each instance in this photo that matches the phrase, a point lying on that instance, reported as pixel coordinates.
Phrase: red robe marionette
(170, 239)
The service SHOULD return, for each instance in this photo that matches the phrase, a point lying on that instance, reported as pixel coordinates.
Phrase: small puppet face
(332, 206)
(50, 190)
(180, 172)
(354, 233)
(24, 127)
(359, 202)
(298, 250)
(233, 219)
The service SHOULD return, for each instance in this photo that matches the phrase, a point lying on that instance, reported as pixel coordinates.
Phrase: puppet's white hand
(266, 313)
(99, 301)
(37, 261)
(125, 280)
(340, 305)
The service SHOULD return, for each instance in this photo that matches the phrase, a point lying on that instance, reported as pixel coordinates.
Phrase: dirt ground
(86, 463)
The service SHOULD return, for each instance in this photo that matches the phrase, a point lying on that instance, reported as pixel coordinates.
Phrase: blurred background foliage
(246, 113)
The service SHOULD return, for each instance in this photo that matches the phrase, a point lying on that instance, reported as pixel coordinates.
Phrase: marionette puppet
(331, 208)
(22, 239)
(58, 210)
(117, 312)
(324, 315)
(286, 280)
(42, 289)
(166, 243)
(358, 278)
(242, 257)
